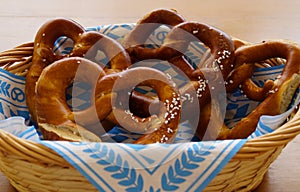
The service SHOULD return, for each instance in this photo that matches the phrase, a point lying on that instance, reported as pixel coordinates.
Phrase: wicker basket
(31, 166)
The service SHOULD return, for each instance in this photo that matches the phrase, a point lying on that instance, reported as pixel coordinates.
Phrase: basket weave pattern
(31, 166)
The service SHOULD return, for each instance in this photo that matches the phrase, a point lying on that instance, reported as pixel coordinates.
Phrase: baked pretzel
(241, 77)
(57, 121)
(134, 42)
(86, 44)
(220, 44)
(156, 128)
(200, 93)
(54, 117)
(43, 53)
(204, 82)
(280, 95)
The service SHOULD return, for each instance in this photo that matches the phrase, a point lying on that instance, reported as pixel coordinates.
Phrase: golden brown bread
(86, 44)
(204, 82)
(156, 128)
(241, 75)
(54, 117)
(134, 42)
(43, 54)
(276, 96)
(279, 97)
(229, 67)
(220, 43)
(58, 121)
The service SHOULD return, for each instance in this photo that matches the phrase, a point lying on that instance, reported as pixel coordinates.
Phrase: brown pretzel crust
(135, 40)
(220, 43)
(160, 127)
(179, 38)
(241, 77)
(280, 95)
(43, 53)
(86, 44)
(47, 104)
(53, 112)
(57, 120)
(254, 92)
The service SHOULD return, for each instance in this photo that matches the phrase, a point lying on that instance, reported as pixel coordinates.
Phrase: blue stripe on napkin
(16, 126)
(120, 167)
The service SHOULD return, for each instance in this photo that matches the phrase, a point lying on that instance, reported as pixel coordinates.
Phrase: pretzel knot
(86, 44)
(241, 77)
(158, 128)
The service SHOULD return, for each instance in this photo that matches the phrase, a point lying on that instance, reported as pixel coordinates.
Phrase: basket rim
(278, 137)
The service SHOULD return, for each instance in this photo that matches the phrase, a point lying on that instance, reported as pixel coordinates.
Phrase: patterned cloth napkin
(121, 166)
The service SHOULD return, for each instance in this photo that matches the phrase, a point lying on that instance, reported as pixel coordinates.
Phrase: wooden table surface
(254, 21)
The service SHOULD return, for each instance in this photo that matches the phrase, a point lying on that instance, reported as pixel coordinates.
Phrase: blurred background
(254, 20)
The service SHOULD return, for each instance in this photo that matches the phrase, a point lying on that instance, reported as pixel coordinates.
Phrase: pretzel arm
(55, 118)
(134, 42)
(280, 95)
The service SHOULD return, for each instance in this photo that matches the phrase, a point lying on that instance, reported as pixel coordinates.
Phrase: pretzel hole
(63, 45)
(152, 109)
(100, 58)
(198, 55)
(78, 96)
(263, 66)
(156, 37)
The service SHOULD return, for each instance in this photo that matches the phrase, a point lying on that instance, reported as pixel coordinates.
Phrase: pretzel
(280, 95)
(179, 38)
(58, 122)
(54, 117)
(156, 128)
(205, 85)
(195, 96)
(213, 75)
(43, 53)
(86, 44)
(241, 77)
(222, 51)
(220, 44)
(134, 42)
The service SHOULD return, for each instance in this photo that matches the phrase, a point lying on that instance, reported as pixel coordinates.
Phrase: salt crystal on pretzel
(155, 127)
(86, 44)
(58, 122)
(281, 94)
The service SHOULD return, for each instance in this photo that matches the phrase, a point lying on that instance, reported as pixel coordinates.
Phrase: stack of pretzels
(114, 99)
